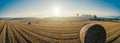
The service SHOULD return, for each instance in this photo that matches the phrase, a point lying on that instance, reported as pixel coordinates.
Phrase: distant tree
(77, 14)
(116, 18)
(95, 17)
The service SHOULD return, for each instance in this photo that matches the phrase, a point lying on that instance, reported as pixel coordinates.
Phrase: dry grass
(51, 32)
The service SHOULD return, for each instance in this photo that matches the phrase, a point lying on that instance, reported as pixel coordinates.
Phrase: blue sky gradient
(44, 8)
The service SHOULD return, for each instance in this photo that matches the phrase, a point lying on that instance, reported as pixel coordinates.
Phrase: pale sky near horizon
(52, 8)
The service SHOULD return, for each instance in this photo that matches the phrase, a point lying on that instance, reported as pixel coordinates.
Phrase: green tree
(95, 17)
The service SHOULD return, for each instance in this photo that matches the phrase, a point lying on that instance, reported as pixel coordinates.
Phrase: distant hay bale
(92, 33)
(29, 22)
(63, 22)
(37, 22)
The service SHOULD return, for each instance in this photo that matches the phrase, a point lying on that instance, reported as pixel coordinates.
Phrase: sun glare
(56, 11)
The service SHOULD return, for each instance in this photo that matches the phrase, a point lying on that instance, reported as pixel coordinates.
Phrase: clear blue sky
(49, 8)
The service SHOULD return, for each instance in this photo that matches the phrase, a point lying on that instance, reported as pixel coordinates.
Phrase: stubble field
(12, 31)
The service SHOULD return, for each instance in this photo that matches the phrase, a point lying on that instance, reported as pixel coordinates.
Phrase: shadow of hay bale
(92, 33)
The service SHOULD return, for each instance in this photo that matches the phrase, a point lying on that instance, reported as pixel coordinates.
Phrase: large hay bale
(92, 33)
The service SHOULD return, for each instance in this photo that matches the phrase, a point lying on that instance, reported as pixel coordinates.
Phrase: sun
(57, 11)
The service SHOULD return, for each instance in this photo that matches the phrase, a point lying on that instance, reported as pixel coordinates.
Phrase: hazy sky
(49, 8)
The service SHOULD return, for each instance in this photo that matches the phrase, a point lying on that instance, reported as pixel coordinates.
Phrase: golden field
(12, 31)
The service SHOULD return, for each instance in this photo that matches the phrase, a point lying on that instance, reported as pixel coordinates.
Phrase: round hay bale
(29, 22)
(92, 33)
